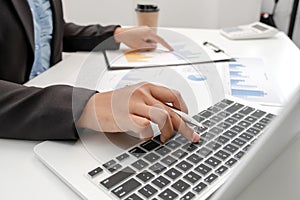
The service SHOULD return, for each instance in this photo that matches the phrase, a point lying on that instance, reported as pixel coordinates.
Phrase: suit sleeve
(40, 113)
(86, 38)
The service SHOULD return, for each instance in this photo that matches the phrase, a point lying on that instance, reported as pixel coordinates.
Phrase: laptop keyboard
(180, 169)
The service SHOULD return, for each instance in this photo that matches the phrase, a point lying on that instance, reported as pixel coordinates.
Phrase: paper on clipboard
(183, 54)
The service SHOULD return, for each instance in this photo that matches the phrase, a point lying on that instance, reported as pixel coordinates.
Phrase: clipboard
(183, 54)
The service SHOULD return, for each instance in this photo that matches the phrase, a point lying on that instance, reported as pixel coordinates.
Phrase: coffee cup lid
(147, 8)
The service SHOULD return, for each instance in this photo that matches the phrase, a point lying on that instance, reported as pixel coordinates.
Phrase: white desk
(22, 176)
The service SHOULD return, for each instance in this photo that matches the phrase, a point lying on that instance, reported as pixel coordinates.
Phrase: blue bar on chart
(237, 74)
(235, 66)
(240, 83)
(236, 82)
(247, 93)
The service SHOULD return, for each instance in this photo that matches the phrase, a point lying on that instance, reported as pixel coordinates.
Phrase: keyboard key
(216, 118)
(270, 116)
(227, 102)
(157, 139)
(214, 109)
(223, 126)
(239, 155)
(259, 126)
(213, 145)
(237, 129)
(246, 110)
(221, 170)
(222, 140)
(231, 120)
(96, 171)
(173, 173)
(173, 144)
(244, 124)
(109, 164)
(198, 118)
(145, 176)
(161, 182)
(150, 145)
(265, 120)
(126, 188)
(179, 153)
(192, 177)
(151, 157)
(223, 114)
(215, 130)
(188, 196)
(184, 166)
(118, 177)
(234, 108)
(253, 131)
(200, 143)
(204, 152)
(238, 116)
(211, 178)
(238, 142)
(208, 123)
(231, 162)
(230, 134)
(194, 158)
(122, 157)
(168, 194)
(221, 105)
(147, 191)
(258, 113)
(180, 186)
(230, 148)
(200, 129)
(181, 139)
(168, 160)
(212, 161)
(137, 152)
(139, 164)
(157, 168)
(199, 188)
(206, 114)
(114, 168)
(134, 197)
(246, 136)
(203, 169)
(207, 136)
(222, 155)
(250, 119)
(163, 151)
(190, 147)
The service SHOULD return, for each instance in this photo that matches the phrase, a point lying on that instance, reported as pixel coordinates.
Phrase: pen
(185, 117)
(214, 47)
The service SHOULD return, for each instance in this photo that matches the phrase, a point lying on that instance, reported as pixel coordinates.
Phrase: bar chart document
(249, 79)
(183, 54)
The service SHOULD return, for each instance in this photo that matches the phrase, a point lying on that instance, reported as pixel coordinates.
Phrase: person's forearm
(87, 38)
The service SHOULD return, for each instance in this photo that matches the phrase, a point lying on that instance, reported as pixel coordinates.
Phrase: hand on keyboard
(133, 107)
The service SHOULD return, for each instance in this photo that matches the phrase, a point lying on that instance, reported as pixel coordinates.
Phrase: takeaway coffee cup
(147, 15)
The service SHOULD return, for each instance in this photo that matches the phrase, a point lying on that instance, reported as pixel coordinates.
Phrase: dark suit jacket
(36, 113)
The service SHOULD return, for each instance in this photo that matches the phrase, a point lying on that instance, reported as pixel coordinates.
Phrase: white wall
(174, 13)
(282, 16)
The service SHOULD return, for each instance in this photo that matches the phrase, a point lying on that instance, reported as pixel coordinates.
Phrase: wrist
(88, 116)
(117, 32)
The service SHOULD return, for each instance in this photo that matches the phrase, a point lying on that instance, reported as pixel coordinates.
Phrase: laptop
(245, 152)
